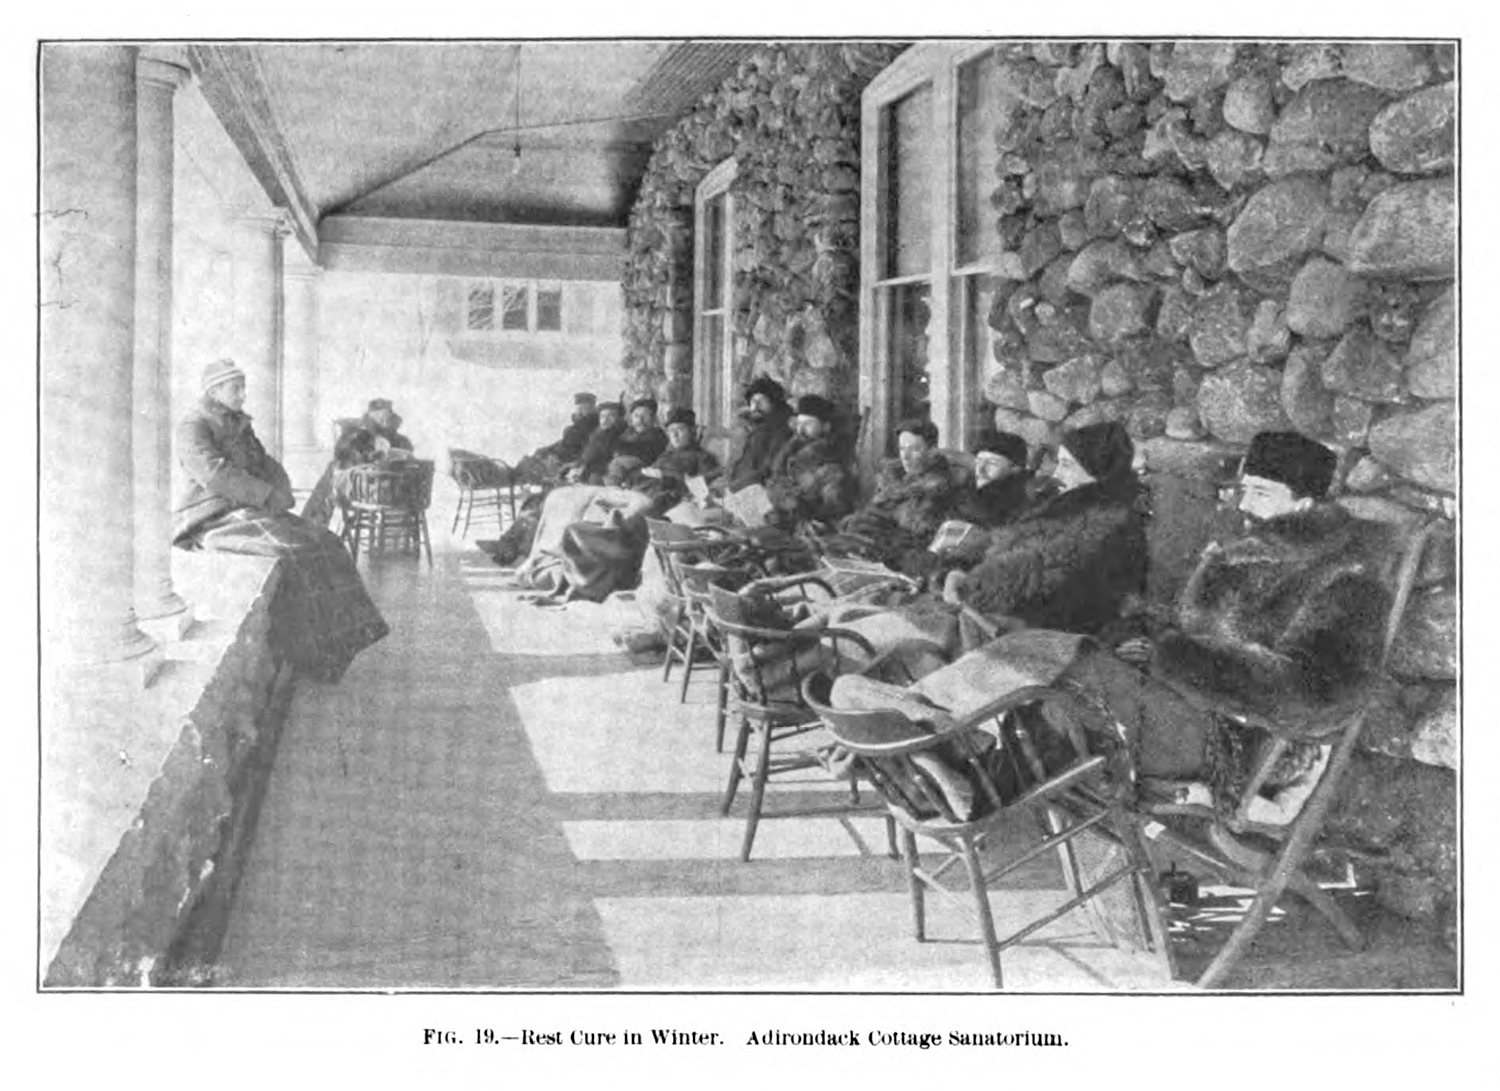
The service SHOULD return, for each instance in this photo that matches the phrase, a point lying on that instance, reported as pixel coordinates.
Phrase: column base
(168, 628)
(162, 604)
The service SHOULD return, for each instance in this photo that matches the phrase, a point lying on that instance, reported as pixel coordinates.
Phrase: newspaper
(750, 505)
(952, 534)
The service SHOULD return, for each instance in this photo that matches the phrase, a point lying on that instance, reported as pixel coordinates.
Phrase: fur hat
(1303, 465)
(615, 407)
(815, 405)
(649, 403)
(220, 371)
(919, 427)
(1103, 449)
(584, 398)
(1007, 445)
(379, 403)
(682, 415)
(764, 384)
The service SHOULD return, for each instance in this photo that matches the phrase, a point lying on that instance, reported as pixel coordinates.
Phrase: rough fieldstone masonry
(1200, 239)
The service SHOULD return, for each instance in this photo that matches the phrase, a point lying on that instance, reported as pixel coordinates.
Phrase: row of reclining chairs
(780, 698)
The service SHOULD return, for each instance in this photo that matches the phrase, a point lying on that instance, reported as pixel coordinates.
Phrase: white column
(259, 320)
(88, 351)
(300, 390)
(156, 83)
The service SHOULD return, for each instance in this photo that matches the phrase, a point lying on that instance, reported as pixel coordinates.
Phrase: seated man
(1070, 562)
(373, 439)
(914, 493)
(666, 479)
(643, 440)
(997, 493)
(600, 448)
(569, 447)
(236, 498)
(766, 428)
(810, 485)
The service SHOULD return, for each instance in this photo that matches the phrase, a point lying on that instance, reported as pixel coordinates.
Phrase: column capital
(302, 272)
(155, 72)
(277, 222)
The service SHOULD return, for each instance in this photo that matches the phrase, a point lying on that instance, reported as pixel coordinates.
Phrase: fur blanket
(1067, 564)
(1291, 614)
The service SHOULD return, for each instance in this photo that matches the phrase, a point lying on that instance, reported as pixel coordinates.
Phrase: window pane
(909, 174)
(480, 313)
(713, 253)
(714, 364)
(978, 295)
(515, 299)
(549, 308)
(979, 99)
(909, 309)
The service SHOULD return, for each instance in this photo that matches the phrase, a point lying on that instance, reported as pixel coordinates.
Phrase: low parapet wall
(168, 845)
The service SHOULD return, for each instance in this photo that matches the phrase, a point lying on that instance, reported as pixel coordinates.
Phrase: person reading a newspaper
(811, 485)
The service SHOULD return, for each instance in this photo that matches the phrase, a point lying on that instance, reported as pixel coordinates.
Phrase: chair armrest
(782, 583)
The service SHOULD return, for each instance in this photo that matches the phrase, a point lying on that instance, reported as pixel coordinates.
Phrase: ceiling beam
(232, 82)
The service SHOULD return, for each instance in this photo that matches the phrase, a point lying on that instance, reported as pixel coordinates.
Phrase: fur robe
(1066, 564)
(810, 483)
(759, 443)
(1287, 618)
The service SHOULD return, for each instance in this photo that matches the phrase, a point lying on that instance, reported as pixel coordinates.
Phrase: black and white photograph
(774, 517)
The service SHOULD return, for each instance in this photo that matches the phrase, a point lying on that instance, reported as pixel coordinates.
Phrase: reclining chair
(943, 787)
(1270, 858)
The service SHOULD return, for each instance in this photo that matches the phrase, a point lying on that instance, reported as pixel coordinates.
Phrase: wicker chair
(385, 507)
(486, 488)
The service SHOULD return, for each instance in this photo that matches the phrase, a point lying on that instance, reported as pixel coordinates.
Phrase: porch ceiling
(429, 130)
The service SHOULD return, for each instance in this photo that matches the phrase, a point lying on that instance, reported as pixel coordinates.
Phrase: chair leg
(914, 885)
(757, 791)
(1053, 823)
(687, 662)
(722, 712)
(1150, 903)
(736, 765)
(982, 905)
(424, 536)
(458, 511)
(666, 666)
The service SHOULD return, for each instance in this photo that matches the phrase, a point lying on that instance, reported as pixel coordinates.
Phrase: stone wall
(155, 914)
(790, 119)
(1209, 239)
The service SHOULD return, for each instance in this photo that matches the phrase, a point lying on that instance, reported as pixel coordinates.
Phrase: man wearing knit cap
(765, 427)
(811, 484)
(236, 498)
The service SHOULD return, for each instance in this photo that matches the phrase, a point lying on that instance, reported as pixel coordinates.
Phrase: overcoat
(226, 469)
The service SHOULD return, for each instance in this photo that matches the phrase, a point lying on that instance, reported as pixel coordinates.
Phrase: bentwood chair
(951, 790)
(766, 670)
(385, 507)
(674, 544)
(486, 489)
(1242, 847)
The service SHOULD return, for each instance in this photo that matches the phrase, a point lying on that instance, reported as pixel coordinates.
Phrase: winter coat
(906, 508)
(762, 441)
(810, 483)
(676, 467)
(987, 509)
(1068, 563)
(575, 435)
(1287, 618)
(646, 446)
(225, 469)
(359, 445)
(597, 452)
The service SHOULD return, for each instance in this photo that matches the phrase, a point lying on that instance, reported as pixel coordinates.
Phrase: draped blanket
(591, 538)
(321, 616)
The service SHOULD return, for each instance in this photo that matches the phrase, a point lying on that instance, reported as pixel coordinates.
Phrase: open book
(952, 534)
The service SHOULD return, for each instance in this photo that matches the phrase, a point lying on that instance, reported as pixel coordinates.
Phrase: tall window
(930, 252)
(713, 297)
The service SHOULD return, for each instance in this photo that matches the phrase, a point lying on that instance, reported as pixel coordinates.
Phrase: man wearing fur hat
(683, 458)
(811, 484)
(766, 427)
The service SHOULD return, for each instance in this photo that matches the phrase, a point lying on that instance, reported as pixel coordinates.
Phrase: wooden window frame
(934, 64)
(717, 182)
